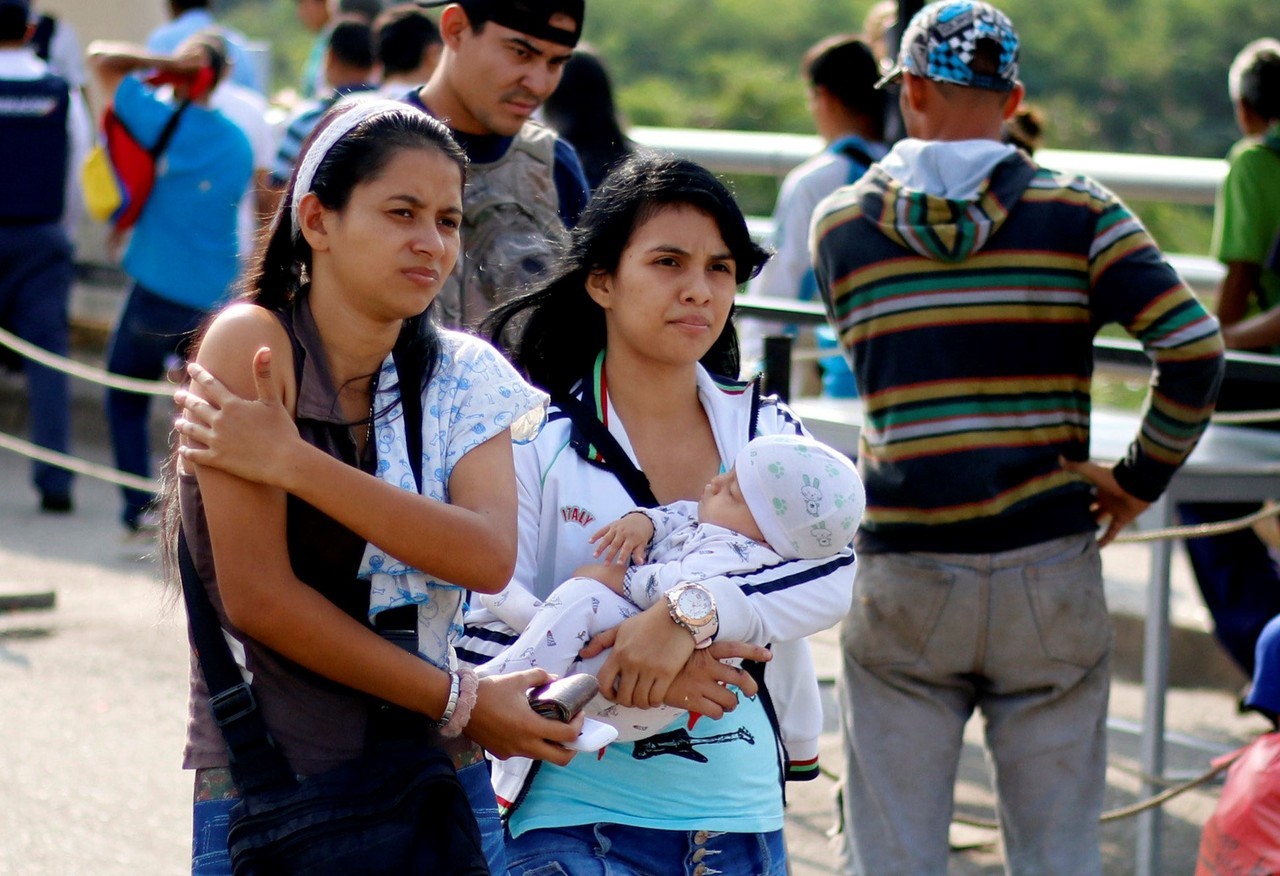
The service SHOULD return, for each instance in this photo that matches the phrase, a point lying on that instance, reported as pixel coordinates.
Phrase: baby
(787, 497)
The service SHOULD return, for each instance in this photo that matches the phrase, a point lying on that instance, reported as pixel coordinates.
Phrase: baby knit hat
(806, 497)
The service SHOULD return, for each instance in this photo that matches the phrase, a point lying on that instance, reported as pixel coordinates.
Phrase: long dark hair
(582, 111)
(554, 332)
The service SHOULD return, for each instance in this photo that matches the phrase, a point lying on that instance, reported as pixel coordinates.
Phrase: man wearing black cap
(501, 60)
(44, 135)
(967, 284)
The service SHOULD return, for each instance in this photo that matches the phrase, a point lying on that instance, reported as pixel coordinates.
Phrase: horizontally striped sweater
(970, 325)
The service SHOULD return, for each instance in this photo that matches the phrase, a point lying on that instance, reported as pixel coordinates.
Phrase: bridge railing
(1159, 178)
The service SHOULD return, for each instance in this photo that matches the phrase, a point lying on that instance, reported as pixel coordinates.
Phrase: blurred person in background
(1237, 572)
(582, 110)
(349, 66)
(1025, 129)
(848, 112)
(316, 17)
(55, 42)
(182, 255)
(248, 110)
(44, 136)
(188, 17)
(407, 45)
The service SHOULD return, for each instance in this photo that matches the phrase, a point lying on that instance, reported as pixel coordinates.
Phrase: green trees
(1112, 75)
(1115, 75)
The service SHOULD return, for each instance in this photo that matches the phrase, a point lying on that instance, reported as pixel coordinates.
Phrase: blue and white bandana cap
(941, 43)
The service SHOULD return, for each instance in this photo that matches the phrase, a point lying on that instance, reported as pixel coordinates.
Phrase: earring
(304, 276)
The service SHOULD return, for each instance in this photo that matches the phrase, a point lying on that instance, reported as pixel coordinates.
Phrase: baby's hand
(624, 540)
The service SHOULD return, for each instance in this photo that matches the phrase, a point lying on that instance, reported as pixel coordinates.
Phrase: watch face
(695, 604)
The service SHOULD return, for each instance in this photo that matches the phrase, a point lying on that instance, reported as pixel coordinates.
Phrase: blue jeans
(1237, 576)
(619, 850)
(35, 286)
(475, 782)
(211, 820)
(151, 330)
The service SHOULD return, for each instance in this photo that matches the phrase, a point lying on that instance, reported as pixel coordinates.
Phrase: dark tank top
(317, 723)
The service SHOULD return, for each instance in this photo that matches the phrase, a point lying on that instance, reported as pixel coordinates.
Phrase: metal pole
(1155, 683)
(777, 366)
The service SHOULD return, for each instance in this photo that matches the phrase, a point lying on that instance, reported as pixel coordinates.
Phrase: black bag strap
(256, 763)
(855, 153)
(615, 459)
(167, 133)
(410, 377)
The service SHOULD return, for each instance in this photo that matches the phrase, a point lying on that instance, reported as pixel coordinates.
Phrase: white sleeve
(79, 141)
(645, 585)
(66, 58)
(666, 519)
(784, 602)
(777, 279)
(516, 604)
(782, 275)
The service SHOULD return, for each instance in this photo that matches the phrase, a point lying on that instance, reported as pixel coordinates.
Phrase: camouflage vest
(510, 227)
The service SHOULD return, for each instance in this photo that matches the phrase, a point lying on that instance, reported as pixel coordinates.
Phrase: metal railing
(1134, 177)
(1161, 178)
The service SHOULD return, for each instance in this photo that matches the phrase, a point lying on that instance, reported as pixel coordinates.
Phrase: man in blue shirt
(182, 256)
(191, 17)
(501, 60)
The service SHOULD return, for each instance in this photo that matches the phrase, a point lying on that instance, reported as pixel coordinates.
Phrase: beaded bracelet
(460, 712)
(454, 684)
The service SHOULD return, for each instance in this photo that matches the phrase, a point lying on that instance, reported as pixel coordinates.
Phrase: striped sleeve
(1135, 287)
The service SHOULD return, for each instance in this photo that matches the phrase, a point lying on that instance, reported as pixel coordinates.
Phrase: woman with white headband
(295, 491)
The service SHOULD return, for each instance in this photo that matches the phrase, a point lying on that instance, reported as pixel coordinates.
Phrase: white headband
(361, 110)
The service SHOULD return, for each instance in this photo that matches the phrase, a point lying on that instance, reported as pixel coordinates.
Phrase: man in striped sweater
(967, 285)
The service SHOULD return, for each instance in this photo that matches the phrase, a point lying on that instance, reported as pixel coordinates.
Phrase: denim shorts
(620, 850)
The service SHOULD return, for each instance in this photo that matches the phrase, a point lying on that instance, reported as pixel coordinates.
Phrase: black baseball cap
(532, 17)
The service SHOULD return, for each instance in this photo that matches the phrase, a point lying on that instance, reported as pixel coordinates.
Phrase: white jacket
(566, 494)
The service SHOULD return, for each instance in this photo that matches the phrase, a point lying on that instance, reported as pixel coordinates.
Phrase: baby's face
(723, 505)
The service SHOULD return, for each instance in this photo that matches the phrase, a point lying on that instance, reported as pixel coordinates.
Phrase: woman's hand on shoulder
(237, 411)
(506, 726)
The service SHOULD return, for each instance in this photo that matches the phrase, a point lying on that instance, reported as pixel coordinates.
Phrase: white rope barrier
(84, 372)
(165, 389)
(82, 466)
(1201, 530)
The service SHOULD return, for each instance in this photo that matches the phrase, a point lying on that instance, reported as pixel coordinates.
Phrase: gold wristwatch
(693, 607)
